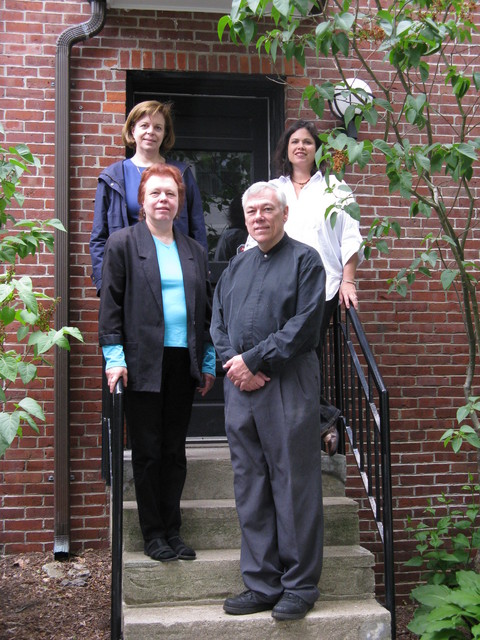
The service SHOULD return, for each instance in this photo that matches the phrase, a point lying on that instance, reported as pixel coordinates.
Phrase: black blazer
(131, 308)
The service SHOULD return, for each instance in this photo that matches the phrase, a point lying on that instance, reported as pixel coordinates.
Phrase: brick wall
(418, 341)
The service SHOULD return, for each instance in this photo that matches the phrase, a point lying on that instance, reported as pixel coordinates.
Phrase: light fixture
(352, 91)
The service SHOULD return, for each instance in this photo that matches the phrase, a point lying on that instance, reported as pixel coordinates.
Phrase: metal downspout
(72, 35)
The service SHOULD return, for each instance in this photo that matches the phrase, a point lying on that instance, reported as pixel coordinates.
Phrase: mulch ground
(48, 600)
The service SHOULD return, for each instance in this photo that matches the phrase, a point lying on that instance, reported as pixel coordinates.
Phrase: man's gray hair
(257, 187)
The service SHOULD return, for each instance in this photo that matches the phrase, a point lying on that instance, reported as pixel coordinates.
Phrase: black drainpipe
(72, 35)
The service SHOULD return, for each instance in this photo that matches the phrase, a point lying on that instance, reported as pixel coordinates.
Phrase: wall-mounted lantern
(344, 97)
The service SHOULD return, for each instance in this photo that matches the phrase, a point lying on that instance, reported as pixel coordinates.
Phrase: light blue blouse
(174, 311)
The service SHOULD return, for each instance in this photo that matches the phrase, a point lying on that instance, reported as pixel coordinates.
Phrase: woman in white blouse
(308, 198)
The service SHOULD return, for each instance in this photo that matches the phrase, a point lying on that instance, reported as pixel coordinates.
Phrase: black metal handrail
(115, 421)
(353, 383)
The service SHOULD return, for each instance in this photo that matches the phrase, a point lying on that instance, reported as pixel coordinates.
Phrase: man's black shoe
(246, 602)
(291, 607)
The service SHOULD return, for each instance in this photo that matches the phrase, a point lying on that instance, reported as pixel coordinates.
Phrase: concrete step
(213, 524)
(210, 476)
(329, 620)
(347, 574)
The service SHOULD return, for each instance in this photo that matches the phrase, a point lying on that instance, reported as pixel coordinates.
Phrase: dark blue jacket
(110, 213)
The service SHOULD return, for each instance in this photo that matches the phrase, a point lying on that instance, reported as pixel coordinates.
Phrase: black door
(225, 128)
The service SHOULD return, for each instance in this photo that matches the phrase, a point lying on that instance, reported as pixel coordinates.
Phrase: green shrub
(447, 545)
(26, 335)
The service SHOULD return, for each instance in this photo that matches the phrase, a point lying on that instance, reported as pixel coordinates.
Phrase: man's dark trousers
(275, 444)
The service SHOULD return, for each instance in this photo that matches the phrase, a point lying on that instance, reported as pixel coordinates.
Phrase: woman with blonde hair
(149, 130)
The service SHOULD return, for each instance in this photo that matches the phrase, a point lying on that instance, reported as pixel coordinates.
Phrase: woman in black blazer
(154, 325)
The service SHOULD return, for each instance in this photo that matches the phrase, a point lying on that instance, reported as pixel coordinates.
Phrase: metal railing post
(117, 442)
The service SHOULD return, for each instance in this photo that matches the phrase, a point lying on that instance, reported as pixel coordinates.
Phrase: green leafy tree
(25, 314)
(424, 110)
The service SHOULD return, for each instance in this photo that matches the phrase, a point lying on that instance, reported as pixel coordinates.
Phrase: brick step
(329, 620)
(213, 524)
(210, 475)
(347, 574)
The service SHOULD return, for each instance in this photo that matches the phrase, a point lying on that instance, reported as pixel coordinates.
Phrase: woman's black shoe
(158, 549)
(183, 551)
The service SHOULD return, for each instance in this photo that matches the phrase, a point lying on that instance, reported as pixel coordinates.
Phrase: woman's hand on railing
(114, 374)
(348, 294)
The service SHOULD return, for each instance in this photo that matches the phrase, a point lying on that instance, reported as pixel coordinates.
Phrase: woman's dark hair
(161, 170)
(282, 164)
(150, 108)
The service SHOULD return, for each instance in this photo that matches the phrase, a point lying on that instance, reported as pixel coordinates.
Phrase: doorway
(226, 126)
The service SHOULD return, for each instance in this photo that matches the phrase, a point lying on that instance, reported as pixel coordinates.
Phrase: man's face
(265, 218)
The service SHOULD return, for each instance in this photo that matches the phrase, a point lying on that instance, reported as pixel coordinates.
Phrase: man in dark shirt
(268, 309)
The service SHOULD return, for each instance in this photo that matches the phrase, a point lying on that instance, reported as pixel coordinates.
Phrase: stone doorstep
(333, 620)
(210, 474)
(214, 575)
(213, 524)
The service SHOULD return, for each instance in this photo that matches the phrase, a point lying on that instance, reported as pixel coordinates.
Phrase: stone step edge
(213, 612)
(353, 552)
(330, 464)
(230, 502)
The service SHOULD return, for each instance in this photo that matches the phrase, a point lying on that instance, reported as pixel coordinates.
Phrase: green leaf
(406, 184)
(27, 372)
(342, 42)
(370, 116)
(235, 11)
(396, 228)
(248, 30)
(24, 416)
(74, 332)
(424, 69)
(383, 146)
(7, 315)
(9, 427)
(8, 367)
(403, 26)
(32, 407)
(225, 21)
(401, 289)
(25, 292)
(420, 621)
(467, 150)
(447, 277)
(431, 595)
(344, 21)
(253, 5)
(322, 28)
(382, 246)
(436, 161)
(5, 291)
(22, 333)
(422, 161)
(326, 90)
(469, 580)
(353, 210)
(416, 561)
(385, 105)
(283, 6)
